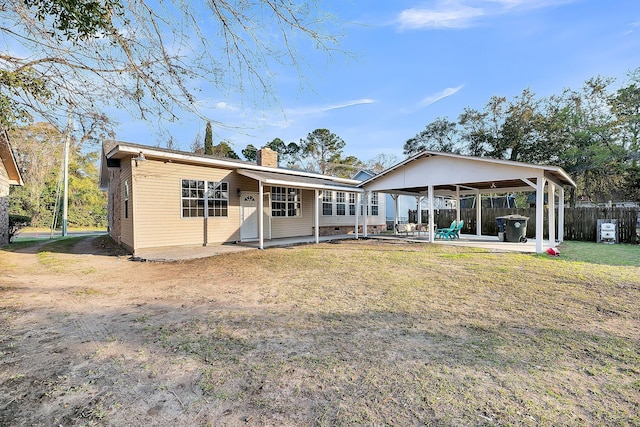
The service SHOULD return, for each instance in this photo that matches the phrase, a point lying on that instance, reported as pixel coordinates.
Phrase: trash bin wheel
(523, 239)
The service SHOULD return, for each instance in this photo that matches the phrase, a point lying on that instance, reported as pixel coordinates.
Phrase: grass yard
(353, 333)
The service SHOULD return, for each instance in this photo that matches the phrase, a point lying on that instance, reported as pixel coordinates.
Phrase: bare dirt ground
(306, 336)
(74, 345)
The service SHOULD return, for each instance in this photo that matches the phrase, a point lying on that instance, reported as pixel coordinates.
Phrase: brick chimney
(267, 157)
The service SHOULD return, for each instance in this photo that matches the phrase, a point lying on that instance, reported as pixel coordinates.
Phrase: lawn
(352, 333)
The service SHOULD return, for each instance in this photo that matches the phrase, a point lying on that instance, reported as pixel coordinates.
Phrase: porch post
(478, 213)
(458, 203)
(560, 214)
(365, 211)
(432, 223)
(539, 212)
(395, 211)
(551, 191)
(206, 216)
(418, 210)
(316, 215)
(260, 215)
(357, 213)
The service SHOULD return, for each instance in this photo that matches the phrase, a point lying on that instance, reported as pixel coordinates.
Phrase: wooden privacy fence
(579, 223)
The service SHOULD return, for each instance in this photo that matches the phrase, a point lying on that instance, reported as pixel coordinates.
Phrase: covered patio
(432, 174)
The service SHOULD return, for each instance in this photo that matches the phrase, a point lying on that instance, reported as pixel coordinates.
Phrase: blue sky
(414, 61)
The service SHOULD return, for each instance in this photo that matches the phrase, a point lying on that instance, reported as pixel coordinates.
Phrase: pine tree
(208, 140)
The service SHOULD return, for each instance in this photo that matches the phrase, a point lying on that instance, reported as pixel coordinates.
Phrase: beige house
(9, 175)
(159, 197)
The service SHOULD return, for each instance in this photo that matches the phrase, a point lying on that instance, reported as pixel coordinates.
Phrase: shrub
(16, 222)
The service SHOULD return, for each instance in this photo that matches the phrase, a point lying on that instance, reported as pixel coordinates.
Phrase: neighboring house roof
(113, 151)
(9, 160)
(364, 174)
(445, 171)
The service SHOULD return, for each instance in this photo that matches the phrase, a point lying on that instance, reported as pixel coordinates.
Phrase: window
(327, 202)
(218, 198)
(126, 199)
(374, 204)
(194, 196)
(352, 204)
(341, 207)
(286, 202)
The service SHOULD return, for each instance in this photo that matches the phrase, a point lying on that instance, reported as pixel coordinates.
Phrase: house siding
(4, 205)
(114, 204)
(126, 237)
(295, 226)
(157, 204)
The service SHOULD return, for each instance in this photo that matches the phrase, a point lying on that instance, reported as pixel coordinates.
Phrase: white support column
(395, 211)
(316, 215)
(432, 237)
(260, 215)
(560, 214)
(357, 214)
(551, 191)
(419, 209)
(478, 214)
(458, 203)
(365, 211)
(539, 213)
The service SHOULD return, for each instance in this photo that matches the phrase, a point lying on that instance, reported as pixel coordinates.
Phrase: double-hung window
(286, 202)
(373, 202)
(327, 202)
(352, 204)
(341, 207)
(198, 193)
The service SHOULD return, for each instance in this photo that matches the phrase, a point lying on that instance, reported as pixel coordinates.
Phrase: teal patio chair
(456, 232)
(446, 233)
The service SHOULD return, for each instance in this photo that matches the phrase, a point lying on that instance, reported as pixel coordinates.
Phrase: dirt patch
(310, 336)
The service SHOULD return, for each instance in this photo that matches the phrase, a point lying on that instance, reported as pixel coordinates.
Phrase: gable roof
(446, 171)
(113, 150)
(9, 160)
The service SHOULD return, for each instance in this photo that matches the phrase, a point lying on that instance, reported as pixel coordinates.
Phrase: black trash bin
(512, 228)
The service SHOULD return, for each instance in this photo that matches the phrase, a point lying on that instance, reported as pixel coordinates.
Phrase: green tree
(87, 204)
(473, 133)
(38, 149)
(224, 150)
(439, 135)
(321, 148)
(250, 153)
(346, 167)
(208, 139)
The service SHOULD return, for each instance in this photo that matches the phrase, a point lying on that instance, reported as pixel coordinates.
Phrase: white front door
(249, 217)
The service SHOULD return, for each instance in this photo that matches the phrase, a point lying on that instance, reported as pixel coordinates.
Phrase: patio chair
(446, 233)
(456, 232)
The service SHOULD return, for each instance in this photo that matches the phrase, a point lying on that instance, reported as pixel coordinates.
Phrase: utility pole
(65, 197)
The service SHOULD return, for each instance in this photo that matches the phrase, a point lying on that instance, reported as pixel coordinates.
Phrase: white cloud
(432, 99)
(292, 114)
(324, 108)
(224, 106)
(465, 13)
(445, 16)
(348, 104)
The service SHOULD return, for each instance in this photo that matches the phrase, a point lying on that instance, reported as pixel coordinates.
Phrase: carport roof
(446, 171)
